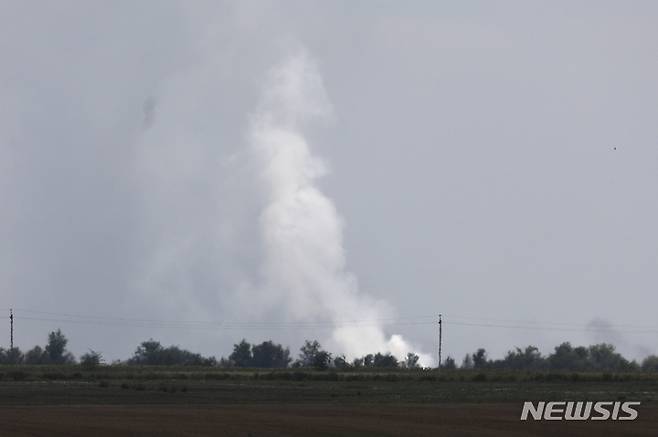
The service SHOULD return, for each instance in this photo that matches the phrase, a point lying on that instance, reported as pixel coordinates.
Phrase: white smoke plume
(304, 259)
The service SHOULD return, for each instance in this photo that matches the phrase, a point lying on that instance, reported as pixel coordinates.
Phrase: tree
(308, 353)
(480, 359)
(91, 359)
(522, 359)
(650, 363)
(241, 356)
(322, 360)
(11, 356)
(411, 362)
(35, 355)
(173, 355)
(566, 357)
(152, 353)
(357, 362)
(604, 357)
(268, 354)
(148, 352)
(467, 362)
(312, 355)
(385, 360)
(225, 363)
(449, 364)
(341, 363)
(55, 351)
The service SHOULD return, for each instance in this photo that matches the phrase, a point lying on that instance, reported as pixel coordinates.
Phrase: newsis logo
(603, 410)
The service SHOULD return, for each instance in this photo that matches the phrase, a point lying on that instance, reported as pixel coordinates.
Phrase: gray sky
(471, 154)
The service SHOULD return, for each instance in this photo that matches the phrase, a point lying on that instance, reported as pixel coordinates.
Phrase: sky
(495, 162)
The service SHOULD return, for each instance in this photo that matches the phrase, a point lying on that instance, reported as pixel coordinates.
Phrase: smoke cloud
(127, 187)
(304, 259)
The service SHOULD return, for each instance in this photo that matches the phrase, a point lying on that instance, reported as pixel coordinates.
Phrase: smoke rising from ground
(492, 185)
(304, 259)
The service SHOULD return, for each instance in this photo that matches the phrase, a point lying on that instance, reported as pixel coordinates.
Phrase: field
(121, 400)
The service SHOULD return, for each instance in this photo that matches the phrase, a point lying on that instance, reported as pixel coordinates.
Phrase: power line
(226, 322)
(543, 322)
(113, 318)
(331, 321)
(554, 328)
(483, 322)
(221, 326)
(259, 326)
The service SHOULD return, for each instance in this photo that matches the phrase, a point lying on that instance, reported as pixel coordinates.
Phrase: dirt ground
(303, 420)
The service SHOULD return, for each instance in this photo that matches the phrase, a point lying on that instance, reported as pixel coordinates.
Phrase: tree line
(600, 357)
(565, 357)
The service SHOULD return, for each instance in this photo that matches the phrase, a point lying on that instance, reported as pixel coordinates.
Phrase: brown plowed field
(303, 420)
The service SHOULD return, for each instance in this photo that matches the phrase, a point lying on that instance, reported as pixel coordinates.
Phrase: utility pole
(11, 327)
(440, 339)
